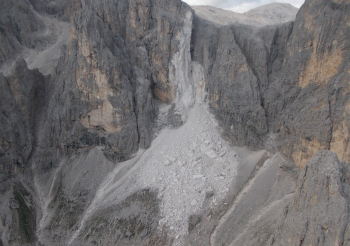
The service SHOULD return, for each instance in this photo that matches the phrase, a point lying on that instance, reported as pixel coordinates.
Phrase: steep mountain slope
(138, 122)
(294, 78)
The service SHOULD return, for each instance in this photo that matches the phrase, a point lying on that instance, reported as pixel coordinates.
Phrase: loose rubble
(184, 165)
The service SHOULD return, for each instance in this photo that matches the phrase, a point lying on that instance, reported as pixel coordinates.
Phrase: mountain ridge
(269, 14)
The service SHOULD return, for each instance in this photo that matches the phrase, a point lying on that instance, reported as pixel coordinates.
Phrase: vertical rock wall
(232, 85)
(312, 84)
(104, 86)
(281, 87)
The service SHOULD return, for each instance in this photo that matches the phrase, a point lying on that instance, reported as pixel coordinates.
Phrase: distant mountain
(273, 14)
(270, 14)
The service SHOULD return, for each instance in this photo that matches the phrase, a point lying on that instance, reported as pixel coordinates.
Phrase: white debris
(197, 176)
(211, 154)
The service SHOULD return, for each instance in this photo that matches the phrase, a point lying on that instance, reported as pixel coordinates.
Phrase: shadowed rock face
(133, 222)
(128, 68)
(23, 97)
(233, 88)
(63, 9)
(285, 84)
(18, 27)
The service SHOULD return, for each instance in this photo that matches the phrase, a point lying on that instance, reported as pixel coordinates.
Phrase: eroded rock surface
(289, 82)
(107, 132)
(319, 213)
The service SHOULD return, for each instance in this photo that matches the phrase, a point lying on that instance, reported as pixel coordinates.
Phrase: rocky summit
(149, 122)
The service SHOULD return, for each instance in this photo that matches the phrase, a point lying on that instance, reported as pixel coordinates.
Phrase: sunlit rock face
(322, 74)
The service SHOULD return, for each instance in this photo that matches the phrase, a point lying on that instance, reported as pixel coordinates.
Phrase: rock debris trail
(185, 165)
(46, 60)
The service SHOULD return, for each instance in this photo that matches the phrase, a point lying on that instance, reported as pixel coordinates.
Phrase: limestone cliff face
(107, 80)
(284, 87)
(314, 79)
(232, 85)
(121, 57)
(281, 88)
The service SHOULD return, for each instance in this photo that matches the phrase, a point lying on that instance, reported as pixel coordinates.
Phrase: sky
(241, 6)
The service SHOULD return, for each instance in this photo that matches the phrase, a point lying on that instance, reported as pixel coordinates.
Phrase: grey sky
(241, 5)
